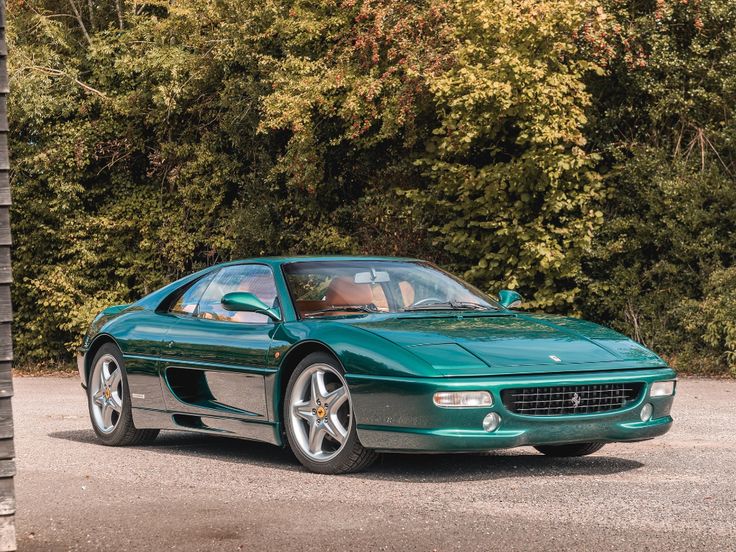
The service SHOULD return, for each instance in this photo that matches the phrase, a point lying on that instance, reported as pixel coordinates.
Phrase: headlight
(662, 389)
(463, 399)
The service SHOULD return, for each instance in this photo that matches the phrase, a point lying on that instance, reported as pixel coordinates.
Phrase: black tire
(352, 456)
(572, 449)
(124, 432)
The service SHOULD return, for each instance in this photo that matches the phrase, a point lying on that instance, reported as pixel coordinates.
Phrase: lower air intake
(570, 399)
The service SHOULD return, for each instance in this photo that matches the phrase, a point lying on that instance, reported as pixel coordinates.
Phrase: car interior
(344, 291)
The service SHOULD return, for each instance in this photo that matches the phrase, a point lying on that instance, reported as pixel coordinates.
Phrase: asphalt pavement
(194, 493)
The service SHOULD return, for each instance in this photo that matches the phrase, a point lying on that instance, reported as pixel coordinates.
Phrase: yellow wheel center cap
(321, 412)
(108, 394)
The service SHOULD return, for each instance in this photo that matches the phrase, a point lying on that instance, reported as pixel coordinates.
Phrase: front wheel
(109, 401)
(318, 415)
(573, 449)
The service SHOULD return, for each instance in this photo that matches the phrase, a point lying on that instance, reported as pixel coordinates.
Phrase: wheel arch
(97, 343)
(289, 363)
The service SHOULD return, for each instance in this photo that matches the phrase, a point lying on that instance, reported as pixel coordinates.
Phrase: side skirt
(264, 431)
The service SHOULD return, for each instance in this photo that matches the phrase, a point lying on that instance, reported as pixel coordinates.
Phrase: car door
(214, 361)
(143, 343)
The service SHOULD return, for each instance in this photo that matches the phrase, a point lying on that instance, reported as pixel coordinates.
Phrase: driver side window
(187, 301)
(255, 279)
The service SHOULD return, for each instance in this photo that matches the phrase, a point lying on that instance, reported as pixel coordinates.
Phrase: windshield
(337, 288)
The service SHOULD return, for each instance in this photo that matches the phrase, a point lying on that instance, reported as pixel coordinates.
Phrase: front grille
(570, 399)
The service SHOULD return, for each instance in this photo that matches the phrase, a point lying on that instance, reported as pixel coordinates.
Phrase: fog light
(491, 421)
(646, 412)
(662, 389)
(463, 399)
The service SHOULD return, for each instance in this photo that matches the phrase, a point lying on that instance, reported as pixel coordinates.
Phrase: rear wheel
(573, 449)
(318, 415)
(109, 401)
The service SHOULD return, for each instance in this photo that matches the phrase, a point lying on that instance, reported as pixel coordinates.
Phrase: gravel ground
(189, 492)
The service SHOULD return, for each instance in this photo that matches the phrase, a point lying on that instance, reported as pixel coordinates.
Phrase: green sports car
(339, 358)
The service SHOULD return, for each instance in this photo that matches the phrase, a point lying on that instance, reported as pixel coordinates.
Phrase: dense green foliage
(580, 151)
(661, 268)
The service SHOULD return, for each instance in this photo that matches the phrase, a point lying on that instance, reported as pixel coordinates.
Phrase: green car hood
(509, 342)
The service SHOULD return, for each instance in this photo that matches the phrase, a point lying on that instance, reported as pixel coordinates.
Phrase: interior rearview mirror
(509, 299)
(243, 301)
(372, 277)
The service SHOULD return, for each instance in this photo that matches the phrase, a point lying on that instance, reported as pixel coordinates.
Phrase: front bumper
(398, 414)
(81, 367)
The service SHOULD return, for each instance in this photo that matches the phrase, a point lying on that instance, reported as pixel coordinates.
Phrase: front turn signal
(463, 399)
(662, 389)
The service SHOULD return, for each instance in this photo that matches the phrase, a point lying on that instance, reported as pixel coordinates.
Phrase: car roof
(310, 258)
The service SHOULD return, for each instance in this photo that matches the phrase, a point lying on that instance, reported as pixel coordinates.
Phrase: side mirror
(243, 301)
(509, 299)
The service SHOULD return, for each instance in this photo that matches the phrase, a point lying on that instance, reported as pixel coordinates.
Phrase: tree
(508, 162)
(665, 124)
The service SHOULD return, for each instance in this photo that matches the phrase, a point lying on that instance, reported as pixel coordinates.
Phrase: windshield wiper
(450, 305)
(345, 308)
(472, 305)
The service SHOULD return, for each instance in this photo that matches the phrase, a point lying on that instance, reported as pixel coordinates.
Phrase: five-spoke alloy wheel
(318, 412)
(106, 389)
(109, 400)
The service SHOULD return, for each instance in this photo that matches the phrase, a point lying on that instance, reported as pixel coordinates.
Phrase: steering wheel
(426, 300)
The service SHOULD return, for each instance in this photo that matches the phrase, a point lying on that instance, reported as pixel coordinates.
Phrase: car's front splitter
(398, 414)
(384, 438)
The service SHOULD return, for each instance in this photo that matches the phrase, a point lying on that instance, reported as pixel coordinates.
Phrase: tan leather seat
(343, 291)
(407, 293)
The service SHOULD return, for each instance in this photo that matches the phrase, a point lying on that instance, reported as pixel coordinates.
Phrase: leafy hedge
(579, 151)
